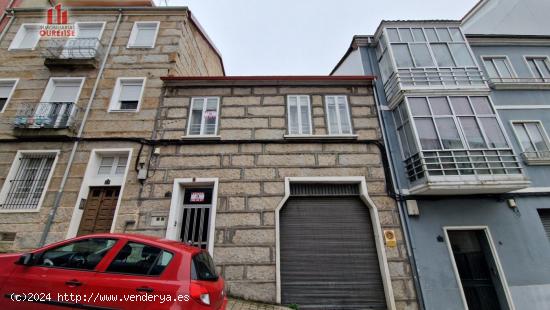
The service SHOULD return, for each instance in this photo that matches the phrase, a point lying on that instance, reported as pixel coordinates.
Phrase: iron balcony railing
(72, 48)
(433, 78)
(462, 163)
(51, 115)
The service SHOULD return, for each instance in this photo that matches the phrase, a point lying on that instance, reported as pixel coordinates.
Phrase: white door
(85, 44)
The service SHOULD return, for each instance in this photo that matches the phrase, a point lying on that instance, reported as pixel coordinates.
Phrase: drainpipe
(59, 193)
(401, 202)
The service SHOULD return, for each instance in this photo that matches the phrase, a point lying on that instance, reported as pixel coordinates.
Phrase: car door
(137, 270)
(57, 275)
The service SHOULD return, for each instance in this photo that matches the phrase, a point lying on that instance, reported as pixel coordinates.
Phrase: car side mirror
(25, 259)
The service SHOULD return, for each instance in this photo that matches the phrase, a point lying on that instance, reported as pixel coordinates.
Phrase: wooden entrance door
(99, 210)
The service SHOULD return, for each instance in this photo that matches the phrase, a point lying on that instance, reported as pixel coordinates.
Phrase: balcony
(460, 172)
(519, 83)
(73, 52)
(536, 158)
(46, 119)
(418, 80)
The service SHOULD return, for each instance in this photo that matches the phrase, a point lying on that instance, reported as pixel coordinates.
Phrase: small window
(82, 254)
(140, 259)
(540, 68)
(203, 117)
(339, 122)
(299, 115)
(27, 181)
(144, 35)
(533, 139)
(498, 68)
(112, 165)
(127, 94)
(7, 88)
(27, 37)
(203, 268)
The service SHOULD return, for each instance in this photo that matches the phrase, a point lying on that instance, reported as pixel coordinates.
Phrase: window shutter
(145, 34)
(30, 35)
(5, 89)
(65, 91)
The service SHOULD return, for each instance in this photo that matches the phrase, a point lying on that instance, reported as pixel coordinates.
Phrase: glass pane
(493, 132)
(211, 116)
(135, 258)
(443, 55)
(440, 106)
(402, 56)
(196, 117)
(304, 114)
(427, 134)
(82, 255)
(491, 68)
(403, 112)
(406, 35)
(444, 35)
(410, 139)
(449, 133)
(392, 35)
(418, 35)
(344, 117)
(534, 68)
(419, 106)
(385, 66)
(481, 105)
(332, 117)
(421, 55)
(397, 117)
(456, 35)
(430, 33)
(472, 132)
(461, 106)
(145, 35)
(542, 64)
(294, 125)
(502, 66)
(404, 143)
(537, 136)
(523, 137)
(462, 55)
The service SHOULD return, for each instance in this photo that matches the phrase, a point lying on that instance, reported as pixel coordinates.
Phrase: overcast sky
(301, 37)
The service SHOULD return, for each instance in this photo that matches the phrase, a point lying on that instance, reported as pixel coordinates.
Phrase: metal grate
(27, 185)
(322, 189)
(73, 48)
(56, 115)
(196, 224)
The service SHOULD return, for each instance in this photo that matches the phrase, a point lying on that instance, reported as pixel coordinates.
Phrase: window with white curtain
(533, 139)
(540, 68)
(299, 115)
(429, 47)
(6, 90)
(143, 35)
(498, 68)
(26, 37)
(203, 118)
(449, 123)
(127, 94)
(338, 115)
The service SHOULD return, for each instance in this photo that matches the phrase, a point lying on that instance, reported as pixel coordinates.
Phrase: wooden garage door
(99, 210)
(328, 255)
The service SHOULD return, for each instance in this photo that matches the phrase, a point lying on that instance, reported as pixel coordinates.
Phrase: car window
(82, 254)
(140, 259)
(203, 268)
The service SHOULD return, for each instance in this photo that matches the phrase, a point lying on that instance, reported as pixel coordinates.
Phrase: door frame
(173, 229)
(492, 247)
(377, 229)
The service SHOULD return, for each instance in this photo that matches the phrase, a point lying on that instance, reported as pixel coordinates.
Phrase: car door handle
(145, 289)
(73, 282)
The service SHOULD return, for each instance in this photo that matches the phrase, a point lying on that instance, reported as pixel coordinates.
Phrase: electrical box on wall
(158, 221)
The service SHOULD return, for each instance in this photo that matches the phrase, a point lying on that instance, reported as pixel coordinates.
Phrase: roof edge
(294, 80)
(356, 42)
(474, 10)
(207, 38)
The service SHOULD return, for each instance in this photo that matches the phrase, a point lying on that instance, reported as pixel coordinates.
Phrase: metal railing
(72, 48)
(196, 225)
(51, 115)
(462, 163)
(430, 78)
(516, 80)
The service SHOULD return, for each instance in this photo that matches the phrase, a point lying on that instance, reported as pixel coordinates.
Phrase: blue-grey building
(464, 107)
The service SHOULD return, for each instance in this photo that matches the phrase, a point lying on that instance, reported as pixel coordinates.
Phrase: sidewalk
(238, 304)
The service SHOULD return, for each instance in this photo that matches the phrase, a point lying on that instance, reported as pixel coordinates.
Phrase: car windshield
(203, 268)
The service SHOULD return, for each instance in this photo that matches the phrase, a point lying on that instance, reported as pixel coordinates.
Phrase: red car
(112, 271)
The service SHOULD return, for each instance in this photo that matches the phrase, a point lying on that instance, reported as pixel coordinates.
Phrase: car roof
(168, 244)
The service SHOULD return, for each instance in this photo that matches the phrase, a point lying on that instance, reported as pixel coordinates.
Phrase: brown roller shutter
(328, 253)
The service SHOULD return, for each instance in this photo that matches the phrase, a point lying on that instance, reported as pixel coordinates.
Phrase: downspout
(401, 202)
(59, 193)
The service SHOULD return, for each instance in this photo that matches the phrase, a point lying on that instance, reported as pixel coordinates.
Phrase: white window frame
(114, 166)
(115, 98)
(13, 170)
(202, 116)
(15, 82)
(48, 91)
(134, 33)
(546, 60)
(501, 274)
(20, 35)
(507, 62)
(299, 115)
(92, 23)
(537, 160)
(338, 116)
